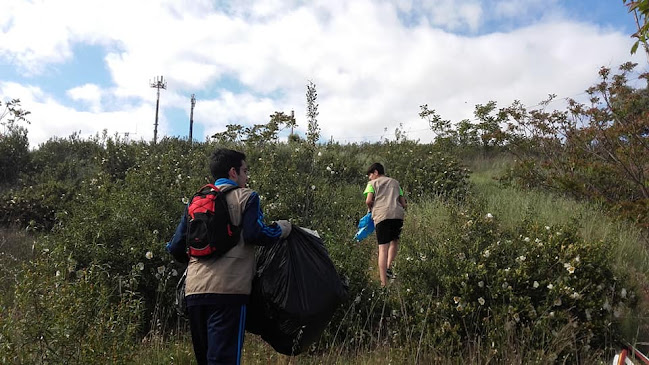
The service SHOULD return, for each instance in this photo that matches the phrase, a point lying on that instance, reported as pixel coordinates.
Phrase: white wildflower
(536, 284)
(486, 253)
(161, 270)
(481, 283)
(481, 300)
(606, 306)
(456, 299)
(140, 266)
(489, 216)
(526, 239)
(312, 187)
(319, 153)
(148, 255)
(550, 286)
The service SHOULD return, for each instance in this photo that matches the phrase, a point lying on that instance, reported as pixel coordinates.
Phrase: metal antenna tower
(191, 120)
(158, 83)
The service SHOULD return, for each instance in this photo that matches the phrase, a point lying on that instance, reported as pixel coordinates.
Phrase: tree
(313, 131)
(14, 145)
(489, 123)
(640, 10)
(442, 128)
(598, 151)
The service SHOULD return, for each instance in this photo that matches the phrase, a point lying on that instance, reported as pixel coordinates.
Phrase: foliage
(112, 204)
(484, 135)
(62, 314)
(14, 145)
(313, 130)
(640, 10)
(477, 283)
(598, 151)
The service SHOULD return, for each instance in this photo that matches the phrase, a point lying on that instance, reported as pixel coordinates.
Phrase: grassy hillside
(486, 273)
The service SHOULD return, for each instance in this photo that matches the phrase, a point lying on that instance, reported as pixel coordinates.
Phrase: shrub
(476, 283)
(64, 315)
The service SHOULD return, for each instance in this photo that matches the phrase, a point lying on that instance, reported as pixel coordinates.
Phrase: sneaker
(390, 274)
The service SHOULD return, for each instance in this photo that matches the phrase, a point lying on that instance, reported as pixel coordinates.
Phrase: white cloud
(522, 8)
(49, 118)
(88, 93)
(372, 68)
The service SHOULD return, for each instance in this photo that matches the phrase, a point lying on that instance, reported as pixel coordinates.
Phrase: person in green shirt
(384, 198)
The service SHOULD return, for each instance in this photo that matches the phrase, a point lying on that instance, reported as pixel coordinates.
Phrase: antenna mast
(158, 83)
(191, 120)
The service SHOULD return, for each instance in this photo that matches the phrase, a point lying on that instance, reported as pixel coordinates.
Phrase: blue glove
(365, 227)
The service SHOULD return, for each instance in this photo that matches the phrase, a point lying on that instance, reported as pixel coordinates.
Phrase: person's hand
(285, 226)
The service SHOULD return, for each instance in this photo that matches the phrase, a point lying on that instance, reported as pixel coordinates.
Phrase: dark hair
(223, 160)
(378, 167)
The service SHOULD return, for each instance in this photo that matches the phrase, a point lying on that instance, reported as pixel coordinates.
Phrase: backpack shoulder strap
(228, 188)
(207, 186)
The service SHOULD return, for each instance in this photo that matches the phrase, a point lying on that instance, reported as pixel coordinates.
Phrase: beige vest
(386, 199)
(231, 273)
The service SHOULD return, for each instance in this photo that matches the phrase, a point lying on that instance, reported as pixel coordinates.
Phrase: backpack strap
(228, 188)
(214, 187)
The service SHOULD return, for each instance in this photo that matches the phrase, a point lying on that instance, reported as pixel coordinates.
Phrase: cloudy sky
(86, 65)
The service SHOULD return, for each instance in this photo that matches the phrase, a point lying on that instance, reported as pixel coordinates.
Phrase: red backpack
(210, 231)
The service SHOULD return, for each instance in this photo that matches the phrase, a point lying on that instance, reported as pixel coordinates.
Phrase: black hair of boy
(378, 167)
(223, 159)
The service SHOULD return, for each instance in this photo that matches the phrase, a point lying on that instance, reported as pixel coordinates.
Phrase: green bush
(64, 315)
(475, 283)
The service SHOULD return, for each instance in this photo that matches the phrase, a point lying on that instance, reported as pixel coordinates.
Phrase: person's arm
(255, 231)
(369, 200)
(176, 247)
(369, 196)
(403, 203)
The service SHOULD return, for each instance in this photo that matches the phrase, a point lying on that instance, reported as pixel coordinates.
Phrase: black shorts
(388, 230)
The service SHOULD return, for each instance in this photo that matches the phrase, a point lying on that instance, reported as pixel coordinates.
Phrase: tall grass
(631, 244)
(513, 206)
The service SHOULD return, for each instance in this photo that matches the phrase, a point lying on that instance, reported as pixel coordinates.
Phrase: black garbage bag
(294, 293)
